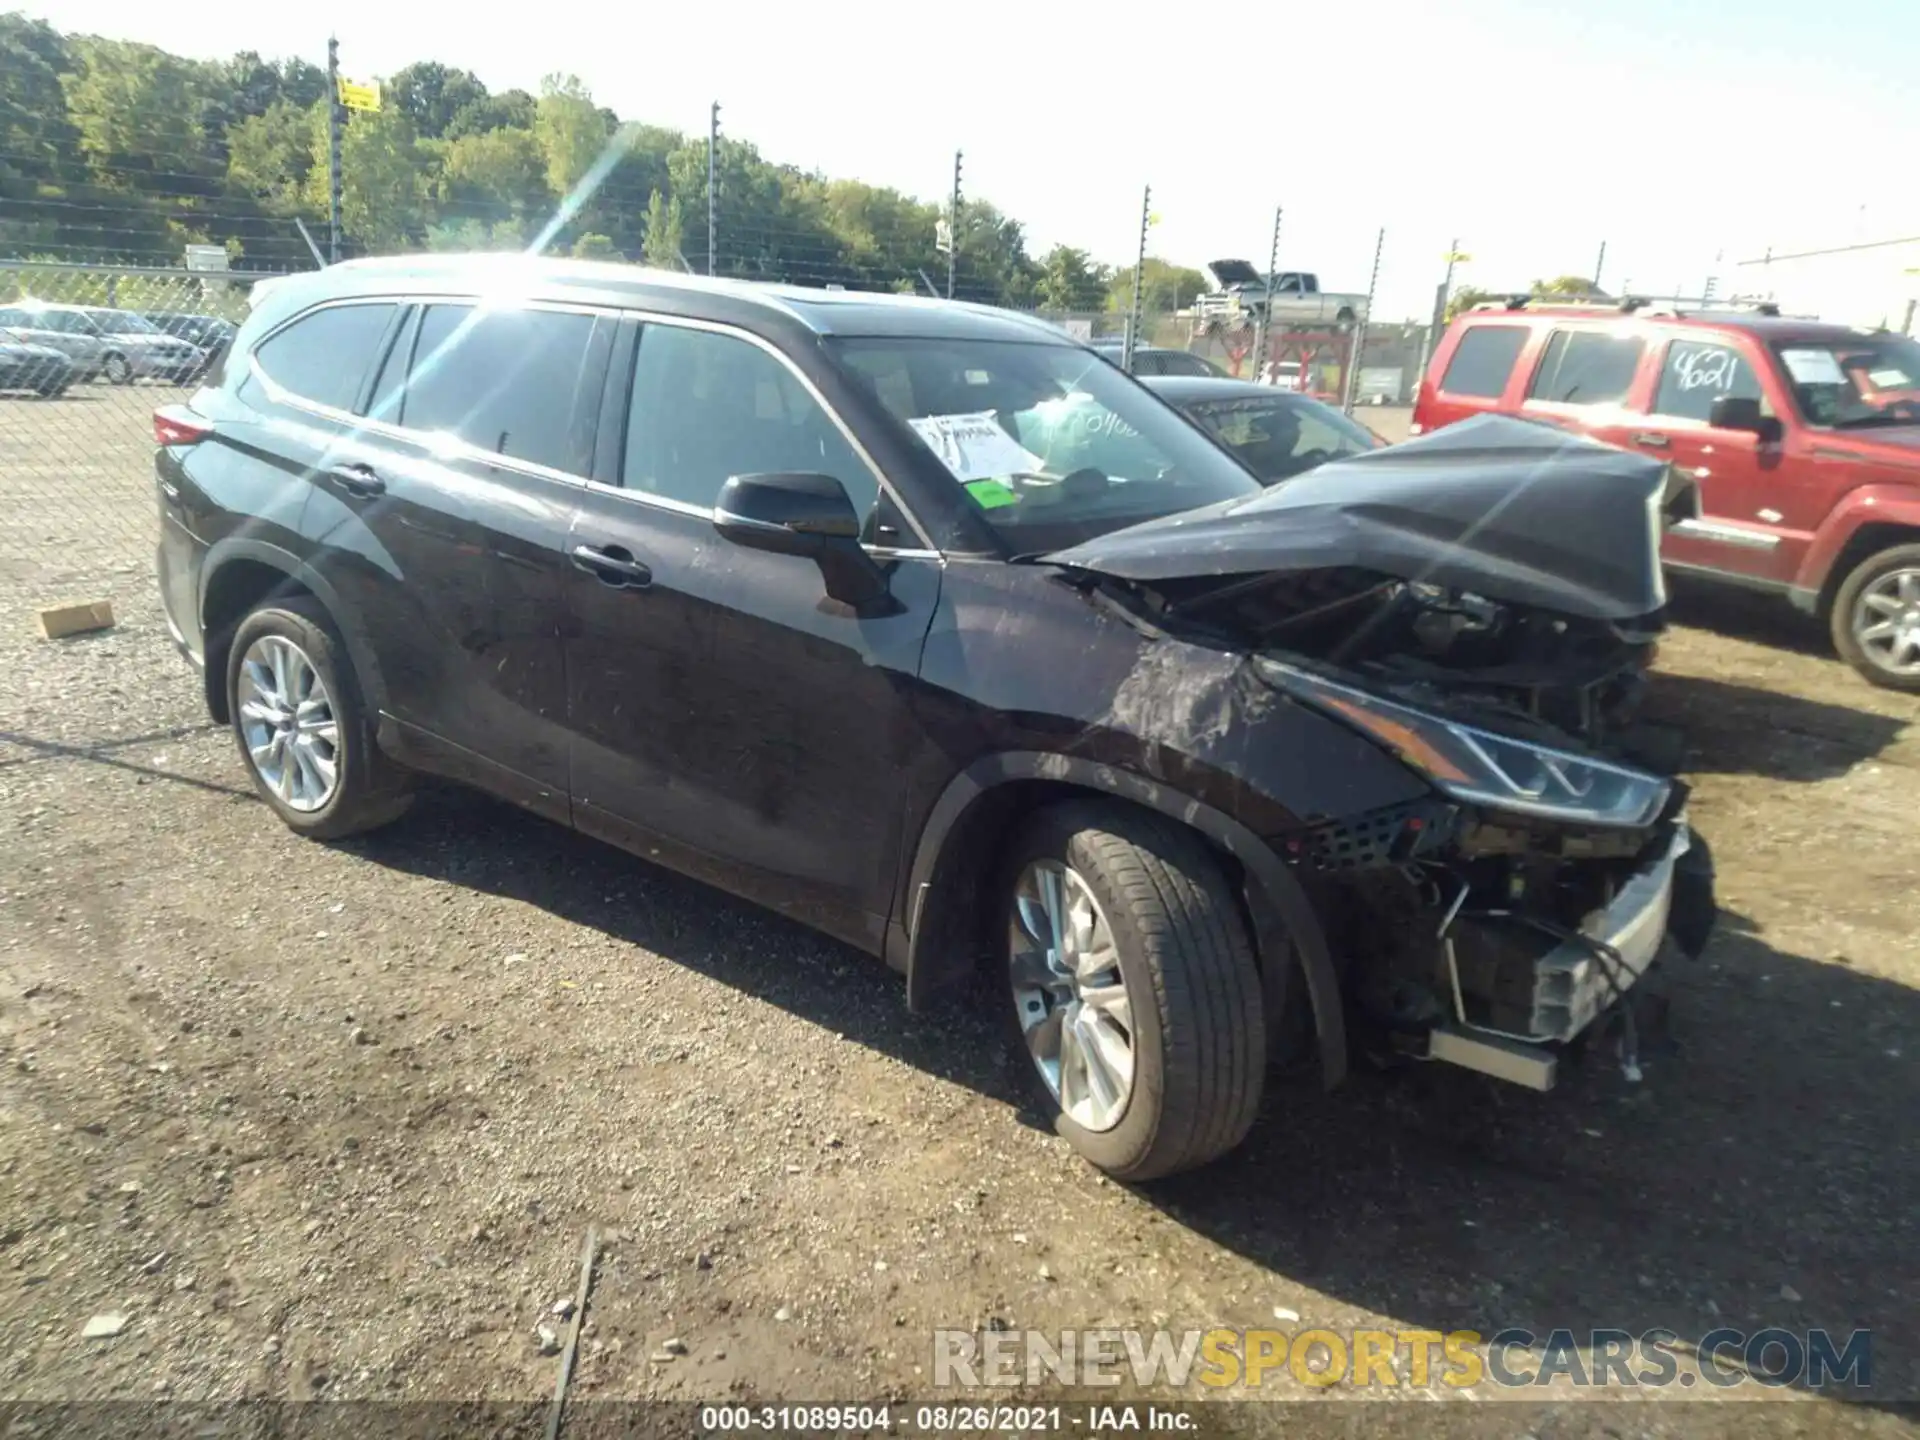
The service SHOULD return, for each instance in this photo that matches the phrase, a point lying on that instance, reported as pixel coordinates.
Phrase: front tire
(304, 732)
(1876, 618)
(118, 369)
(1135, 995)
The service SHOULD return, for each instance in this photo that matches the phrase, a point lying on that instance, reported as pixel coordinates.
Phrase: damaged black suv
(926, 626)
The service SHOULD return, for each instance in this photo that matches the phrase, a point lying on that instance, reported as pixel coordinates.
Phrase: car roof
(823, 312)
(1182, 388)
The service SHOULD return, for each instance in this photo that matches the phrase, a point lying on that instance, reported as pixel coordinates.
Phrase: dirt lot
(332, 1121)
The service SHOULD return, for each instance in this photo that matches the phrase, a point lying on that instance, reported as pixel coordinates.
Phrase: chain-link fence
(86, 356)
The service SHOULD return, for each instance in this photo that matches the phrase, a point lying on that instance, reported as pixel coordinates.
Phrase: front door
(1743, 509)
(728, 717)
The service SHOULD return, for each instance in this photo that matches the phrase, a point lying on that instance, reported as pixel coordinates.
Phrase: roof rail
(1664, 306)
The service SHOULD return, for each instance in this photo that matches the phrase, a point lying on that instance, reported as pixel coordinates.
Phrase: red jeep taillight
(177, 425)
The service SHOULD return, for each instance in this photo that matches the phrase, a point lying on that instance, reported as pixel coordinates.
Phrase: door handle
(612, 566)
(358, 480)
(1651, 438)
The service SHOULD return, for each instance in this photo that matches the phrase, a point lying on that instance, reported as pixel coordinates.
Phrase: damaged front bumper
(1584, 976)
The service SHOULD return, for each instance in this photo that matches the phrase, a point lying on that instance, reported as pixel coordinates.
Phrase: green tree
(497, 175)
(571, 131)
(302, 82)
(269, 155)
(594, 247)
(1164, 287)
(664, 226)
(473, 234)
(1578, 286)
(991, 257)
(36, 136)
(136, 108)
(1070, 279)
(385, 178)
(1465, 298)
(509, 110)
(431, 94)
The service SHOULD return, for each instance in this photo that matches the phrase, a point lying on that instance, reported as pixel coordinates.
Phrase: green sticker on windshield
(991, 494)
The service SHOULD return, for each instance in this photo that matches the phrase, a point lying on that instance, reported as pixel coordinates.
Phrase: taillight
(177, 425)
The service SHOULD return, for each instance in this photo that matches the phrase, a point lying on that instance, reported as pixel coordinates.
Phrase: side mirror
(791, 513)
(1742, 412)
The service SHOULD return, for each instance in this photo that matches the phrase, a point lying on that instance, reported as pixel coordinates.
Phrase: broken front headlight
(1483, 768)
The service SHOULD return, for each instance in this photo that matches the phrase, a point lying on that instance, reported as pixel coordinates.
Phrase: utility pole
(1360, 328)
(1266, 310)
(1600, 265)
(1139, 268)
(713, 185)
(953, 227)
(333, 149)
(1441, 299)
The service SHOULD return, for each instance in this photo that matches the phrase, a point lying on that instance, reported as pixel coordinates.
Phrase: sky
(1686, 137)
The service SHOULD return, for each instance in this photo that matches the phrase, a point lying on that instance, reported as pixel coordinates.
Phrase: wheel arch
(936, 937)
(242, 573)
(1866, 541)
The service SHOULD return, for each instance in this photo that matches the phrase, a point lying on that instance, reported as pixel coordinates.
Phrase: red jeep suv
(1804, 438)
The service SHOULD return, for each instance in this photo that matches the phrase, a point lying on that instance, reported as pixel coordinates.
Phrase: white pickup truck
(1240, 293)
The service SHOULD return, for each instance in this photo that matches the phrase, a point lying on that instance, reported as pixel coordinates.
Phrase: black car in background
(210, 332)
(920, 623)
(1274, 433)
(1155, 359)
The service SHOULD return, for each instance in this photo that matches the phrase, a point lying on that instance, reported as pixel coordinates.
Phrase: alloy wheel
(1070, 996)
(1886, 622)
(287, 720)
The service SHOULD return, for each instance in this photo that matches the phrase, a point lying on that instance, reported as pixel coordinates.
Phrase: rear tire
(305, 733)
(1875, 619)
(1190, 1009)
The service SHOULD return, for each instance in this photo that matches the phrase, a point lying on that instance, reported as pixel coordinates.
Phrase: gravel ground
(333, 1120)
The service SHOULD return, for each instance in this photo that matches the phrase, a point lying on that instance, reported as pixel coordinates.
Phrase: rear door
(1584, 378)
(727, 716)
(443, 528)
(281, 421)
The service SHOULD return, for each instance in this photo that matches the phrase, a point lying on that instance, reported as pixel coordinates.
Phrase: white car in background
(116, 344)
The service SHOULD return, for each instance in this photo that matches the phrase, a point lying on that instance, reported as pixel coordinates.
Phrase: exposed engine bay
(1558, 678)
(1484, 604)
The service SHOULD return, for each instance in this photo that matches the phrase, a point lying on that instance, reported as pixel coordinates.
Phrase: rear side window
(323, 356)
(1586, 367)
(506, 381)
(1693, 376)
(1483, 360)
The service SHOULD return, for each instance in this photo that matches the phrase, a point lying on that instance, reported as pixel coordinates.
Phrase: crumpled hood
(1505, 508)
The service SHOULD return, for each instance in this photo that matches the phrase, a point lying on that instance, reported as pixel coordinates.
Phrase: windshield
(1053, 444)
(1854, 383)
(1278, 438)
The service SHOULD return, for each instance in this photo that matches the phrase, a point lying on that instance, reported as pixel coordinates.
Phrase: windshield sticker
(974, 447)
(1812, 367)
(991, 494)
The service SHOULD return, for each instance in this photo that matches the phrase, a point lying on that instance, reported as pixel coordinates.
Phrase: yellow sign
(1457, 257)
(359, 97)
